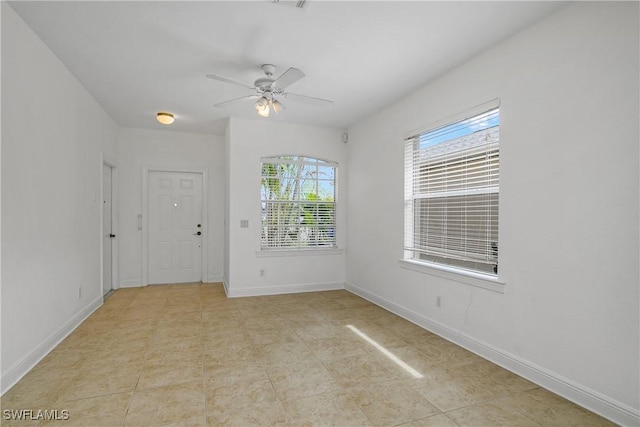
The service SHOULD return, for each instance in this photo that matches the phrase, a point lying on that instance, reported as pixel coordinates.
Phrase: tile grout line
(204, 377)
(147, 349)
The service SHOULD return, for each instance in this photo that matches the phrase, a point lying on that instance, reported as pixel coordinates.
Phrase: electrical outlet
(261, 272)
(438, 301)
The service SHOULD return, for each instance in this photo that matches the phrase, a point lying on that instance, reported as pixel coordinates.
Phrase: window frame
(325, 234)
(464, 274)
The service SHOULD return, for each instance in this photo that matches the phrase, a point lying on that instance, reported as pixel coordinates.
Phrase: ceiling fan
(270, 90)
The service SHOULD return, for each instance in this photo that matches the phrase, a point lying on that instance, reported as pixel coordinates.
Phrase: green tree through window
(298, 203)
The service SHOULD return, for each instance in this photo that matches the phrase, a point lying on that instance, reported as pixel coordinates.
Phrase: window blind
(298, 203)
(452, 193)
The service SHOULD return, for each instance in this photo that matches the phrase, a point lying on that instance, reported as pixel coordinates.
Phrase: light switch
(244, 223)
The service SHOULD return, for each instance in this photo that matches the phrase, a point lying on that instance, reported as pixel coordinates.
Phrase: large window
(452, 192)
(298, 203)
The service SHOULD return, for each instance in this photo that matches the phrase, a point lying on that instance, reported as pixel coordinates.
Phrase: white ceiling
(137, 58)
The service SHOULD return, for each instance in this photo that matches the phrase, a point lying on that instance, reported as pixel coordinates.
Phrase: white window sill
(466, 277)
(298, 252)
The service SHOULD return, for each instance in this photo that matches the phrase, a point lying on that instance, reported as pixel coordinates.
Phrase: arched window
(298, 196)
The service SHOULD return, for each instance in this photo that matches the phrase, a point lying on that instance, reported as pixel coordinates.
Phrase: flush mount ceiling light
(165, 118)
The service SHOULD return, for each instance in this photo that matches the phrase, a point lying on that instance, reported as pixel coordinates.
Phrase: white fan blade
(222, 104)
(318, 102)
(287, 78)
(226, 80)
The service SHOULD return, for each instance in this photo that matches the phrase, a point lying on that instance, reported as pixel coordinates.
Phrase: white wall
(53, 133)
(248, 142)
(568, 207)
(139, 148)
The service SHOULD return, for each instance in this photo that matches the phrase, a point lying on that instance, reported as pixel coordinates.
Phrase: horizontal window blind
(298, 203)
(452, 193)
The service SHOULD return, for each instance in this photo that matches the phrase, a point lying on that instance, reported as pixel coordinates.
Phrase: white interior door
(175, 227)
(107, 229)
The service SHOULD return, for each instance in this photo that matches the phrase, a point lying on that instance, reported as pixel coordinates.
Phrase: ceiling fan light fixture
(262, 104)
(277, 106)
(165, 118)
(264, 112)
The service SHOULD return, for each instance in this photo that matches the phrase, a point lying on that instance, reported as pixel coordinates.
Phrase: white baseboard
(250, 291)
(131, 283)
(215, 278)
(136, 283)
(608, 408)
(22, 367)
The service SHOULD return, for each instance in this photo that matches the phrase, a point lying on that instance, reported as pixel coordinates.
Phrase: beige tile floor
(185, 355)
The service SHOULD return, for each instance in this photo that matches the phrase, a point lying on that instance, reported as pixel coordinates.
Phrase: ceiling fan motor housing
(269, 69)
(264, 84)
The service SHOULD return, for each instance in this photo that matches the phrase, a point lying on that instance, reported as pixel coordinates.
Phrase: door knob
(197, 234)
(111, 236)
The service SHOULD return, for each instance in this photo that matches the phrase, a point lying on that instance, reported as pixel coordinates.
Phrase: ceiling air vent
(298, 3)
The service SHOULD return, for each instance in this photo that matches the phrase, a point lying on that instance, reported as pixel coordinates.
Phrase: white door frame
(146, 169)
(105, 160)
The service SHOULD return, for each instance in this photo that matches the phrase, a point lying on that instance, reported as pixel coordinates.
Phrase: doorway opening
(108, 228)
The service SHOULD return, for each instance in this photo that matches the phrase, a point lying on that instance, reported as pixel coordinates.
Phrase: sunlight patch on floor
(386, 352)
